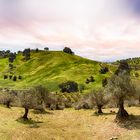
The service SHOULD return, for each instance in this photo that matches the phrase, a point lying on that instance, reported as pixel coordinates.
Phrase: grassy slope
(52, 68)
(66, 124)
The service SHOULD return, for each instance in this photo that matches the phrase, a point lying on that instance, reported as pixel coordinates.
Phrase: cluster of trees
(12, 77)
(37, 98)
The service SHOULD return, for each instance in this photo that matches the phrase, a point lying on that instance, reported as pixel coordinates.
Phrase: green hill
(50, 68)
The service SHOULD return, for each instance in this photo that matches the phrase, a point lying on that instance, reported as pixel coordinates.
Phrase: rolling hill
(50, 68)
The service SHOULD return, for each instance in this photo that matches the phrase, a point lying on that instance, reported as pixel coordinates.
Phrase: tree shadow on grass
(132, 123)
(30, 122)
(103, 114)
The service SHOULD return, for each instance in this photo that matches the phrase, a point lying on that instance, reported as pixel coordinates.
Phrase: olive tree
(99, 99)
(7, 98)
(120, 88)
(33, 98)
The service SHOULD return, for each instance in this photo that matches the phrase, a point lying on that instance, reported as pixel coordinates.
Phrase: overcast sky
(102, 30)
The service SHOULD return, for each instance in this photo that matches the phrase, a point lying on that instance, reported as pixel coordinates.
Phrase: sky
(103, 30)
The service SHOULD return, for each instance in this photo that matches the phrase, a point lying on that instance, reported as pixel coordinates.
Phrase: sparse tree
(6, 98)
(99, 99)
(33, 98)
(120, 88)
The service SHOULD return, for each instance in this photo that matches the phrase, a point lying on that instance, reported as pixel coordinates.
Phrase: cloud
(96, 29)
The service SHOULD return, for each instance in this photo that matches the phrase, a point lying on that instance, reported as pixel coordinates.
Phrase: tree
(15, 78)
(26, 54)
(104, 70)
(12, 57)
(92, 79)
(46, 49)
(68, 50)
(32, 98)
(69, 86)
(99, 99)
(6, 98)
(120, 88)
(5, 77)
(123, 67)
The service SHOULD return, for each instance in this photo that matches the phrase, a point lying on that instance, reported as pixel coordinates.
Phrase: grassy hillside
(50, 68)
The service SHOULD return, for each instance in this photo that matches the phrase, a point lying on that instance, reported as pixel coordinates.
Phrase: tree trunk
(25, 116)
(8, 104)
(122, 113)
(100, 109)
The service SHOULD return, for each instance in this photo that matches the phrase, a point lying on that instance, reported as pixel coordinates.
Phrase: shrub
(104, 70)
(68, 50)
(69, 87)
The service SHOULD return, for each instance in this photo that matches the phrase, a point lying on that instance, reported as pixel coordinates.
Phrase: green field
(51, 68)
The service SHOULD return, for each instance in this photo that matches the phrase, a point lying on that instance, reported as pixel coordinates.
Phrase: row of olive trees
(37, 98)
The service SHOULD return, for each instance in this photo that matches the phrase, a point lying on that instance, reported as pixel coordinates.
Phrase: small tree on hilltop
(26, 54)
(68, 50)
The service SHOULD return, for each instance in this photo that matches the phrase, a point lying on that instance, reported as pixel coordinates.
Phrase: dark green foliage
(68, 50)
(20, 77)
(36, 50)
(12, 57)
(46, 49)
(123, 66)
(26, 54)
(90, 79)
(87, 81)
(5, 77)
(104, 70)
(69, 87)
(10, 77)
(15, 78)
(4, 54)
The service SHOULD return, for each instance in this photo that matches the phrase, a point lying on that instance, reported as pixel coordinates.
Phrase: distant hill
(50, 68)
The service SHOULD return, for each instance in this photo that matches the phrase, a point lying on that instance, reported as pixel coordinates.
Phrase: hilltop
(50, 68)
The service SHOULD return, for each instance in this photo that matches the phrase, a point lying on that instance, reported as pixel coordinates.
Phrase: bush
(69, 87)
(104, 70)
(5, 77)
(68, 50)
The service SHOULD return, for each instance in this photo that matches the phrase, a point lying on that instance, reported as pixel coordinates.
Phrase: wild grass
(68, 124)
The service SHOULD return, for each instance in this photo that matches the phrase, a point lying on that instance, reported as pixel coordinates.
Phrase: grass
(67, 124)
(50, 69)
